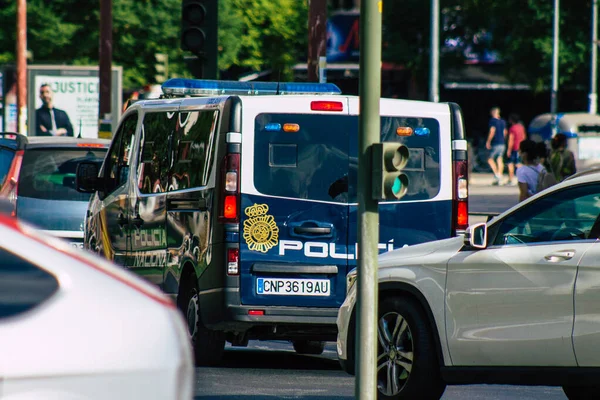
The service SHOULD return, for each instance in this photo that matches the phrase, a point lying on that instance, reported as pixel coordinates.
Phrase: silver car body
(519, 305)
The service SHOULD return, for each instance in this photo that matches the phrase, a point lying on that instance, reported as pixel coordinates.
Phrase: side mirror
(476, 236)
(87, 177)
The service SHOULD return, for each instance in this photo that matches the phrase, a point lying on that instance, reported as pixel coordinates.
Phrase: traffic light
(389, 182)
(161, 67)
(199, 32)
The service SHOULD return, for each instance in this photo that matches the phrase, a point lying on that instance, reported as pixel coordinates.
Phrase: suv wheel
(581, 392)
(308, 346)
(208, 344)
(407, 367)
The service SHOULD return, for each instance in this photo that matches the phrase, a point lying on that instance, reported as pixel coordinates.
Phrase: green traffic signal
(389, 182)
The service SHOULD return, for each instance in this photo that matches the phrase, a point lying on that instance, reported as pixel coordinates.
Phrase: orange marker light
(291, 127)
(404, 131)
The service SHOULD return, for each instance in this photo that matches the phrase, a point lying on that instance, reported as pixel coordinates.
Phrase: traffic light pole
(369, 127)
(105, 120)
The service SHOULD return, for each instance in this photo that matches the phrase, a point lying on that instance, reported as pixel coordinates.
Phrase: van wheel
(581, 392)
(407, 366)
(308, 346)
(208, 344)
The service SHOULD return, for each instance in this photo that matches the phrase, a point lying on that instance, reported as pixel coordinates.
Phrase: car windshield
(50, 173)
(6, 157)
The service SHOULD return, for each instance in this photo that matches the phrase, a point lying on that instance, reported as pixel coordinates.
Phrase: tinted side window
(193, 149)
(571, 214)
(23, 286)
(308, 161)
(116, 169)
(153, 169)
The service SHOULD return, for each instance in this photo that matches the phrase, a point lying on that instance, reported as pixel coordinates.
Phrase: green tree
(521, 32)
(274, 36)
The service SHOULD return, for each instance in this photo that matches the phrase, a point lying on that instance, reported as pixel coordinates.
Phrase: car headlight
(350, 280)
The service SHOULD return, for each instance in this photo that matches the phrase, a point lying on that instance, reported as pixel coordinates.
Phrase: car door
(511, 304)
(111, 235)
(149, 212)
(586, 330)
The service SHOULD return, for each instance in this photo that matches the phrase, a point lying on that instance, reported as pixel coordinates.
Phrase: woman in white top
(527, 174)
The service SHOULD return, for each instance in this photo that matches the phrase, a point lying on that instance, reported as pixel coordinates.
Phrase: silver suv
(514, 301)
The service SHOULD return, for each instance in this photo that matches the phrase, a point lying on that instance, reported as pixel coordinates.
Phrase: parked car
(37, 175)
(514, 301)
(74, 326)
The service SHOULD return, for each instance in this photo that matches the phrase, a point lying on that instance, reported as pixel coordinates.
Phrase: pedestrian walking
(495, 144)
(561, 160)
(516, 134)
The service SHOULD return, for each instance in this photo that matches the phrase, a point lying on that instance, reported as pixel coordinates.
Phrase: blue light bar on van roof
(204, 87)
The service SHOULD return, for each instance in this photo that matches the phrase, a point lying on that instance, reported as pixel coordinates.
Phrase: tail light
(231, 188)
(460, 196)
(233, 258)
(9, 190)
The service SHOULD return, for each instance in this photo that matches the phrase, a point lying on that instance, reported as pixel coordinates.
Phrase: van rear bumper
(316, 323)
(291, 315)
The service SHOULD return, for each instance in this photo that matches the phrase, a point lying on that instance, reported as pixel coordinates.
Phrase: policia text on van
(240, 200)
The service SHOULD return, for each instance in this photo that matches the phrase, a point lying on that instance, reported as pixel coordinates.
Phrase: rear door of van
(425, 213)
(294, 201)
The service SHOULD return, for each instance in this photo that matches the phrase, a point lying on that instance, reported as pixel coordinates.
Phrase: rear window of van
(315, 156)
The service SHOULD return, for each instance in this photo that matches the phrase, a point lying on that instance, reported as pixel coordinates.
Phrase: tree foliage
(253, 35)
(521, 32)
(259, 35)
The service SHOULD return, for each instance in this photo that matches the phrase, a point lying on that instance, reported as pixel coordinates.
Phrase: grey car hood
(398, 257)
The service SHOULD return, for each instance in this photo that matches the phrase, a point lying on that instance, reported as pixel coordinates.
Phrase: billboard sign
(342, 37)
(75, 90)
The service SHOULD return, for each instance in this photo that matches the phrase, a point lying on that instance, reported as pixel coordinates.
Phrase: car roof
(52, 141)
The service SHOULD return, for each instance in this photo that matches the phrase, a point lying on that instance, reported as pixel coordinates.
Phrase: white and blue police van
(239, 199)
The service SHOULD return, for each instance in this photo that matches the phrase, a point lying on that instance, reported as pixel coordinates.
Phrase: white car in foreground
(516, 301)
(73, 326)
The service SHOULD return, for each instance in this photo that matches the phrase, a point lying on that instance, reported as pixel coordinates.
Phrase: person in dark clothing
(561, 160)
(50, 121)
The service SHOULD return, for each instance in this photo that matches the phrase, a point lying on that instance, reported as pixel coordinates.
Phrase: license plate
(293, 287)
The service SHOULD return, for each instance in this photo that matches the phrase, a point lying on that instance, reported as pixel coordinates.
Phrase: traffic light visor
(194, 13)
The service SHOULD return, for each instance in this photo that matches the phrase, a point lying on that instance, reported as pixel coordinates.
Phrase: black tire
(308, 346)
(208, 344)
(406, 353)
(581, 392)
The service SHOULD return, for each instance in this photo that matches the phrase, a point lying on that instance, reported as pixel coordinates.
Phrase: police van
(239, 199)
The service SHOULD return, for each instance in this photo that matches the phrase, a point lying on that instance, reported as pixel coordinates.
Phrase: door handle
(121, 220)
(314, 230)
(560, 256)
(311, 229)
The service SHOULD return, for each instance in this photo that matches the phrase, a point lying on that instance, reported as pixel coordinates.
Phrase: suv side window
(118, 160)
(155, 147)
(23, 285)
(194, 141)
(570, 214)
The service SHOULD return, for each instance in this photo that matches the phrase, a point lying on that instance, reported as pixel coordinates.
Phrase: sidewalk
(484, 179)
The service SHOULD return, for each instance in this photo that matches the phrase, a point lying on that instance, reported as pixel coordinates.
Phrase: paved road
(485, 198)
(272, 370)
